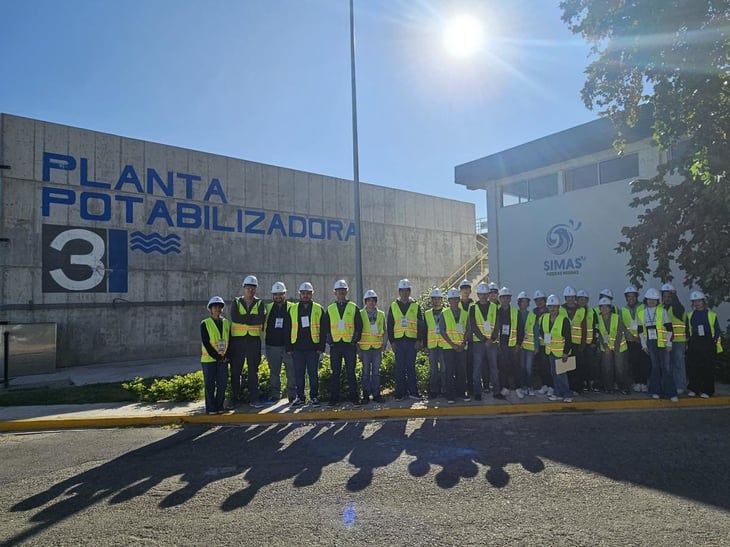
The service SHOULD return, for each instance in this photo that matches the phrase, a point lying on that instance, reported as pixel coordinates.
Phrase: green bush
(722, 366)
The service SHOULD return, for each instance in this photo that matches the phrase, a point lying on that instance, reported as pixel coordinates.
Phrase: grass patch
(70, 395)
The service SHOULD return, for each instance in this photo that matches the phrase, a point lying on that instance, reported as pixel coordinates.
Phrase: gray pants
(436, 372)
(485, 360)
(276, 355)
(615, 369)
(370, 377)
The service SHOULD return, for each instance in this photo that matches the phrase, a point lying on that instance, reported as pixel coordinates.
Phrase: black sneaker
(499, 396)
(378, 399)
(365, 401)
(315, 401)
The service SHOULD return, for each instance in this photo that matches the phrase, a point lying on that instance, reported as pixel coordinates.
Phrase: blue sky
(269, 80)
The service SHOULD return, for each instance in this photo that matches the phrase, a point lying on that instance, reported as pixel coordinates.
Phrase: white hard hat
(604, 301)
(652, 294)
(606, 292)
(216, 300)
(453, 292)
(251, 280)
(696, 295)
(465, 283)
(522, 295)
(436, 293)
(538, 294)
(341, 284)
(370, 294)
(306, 286)
(404, 284)
(278, 287)
(569, 291)
(482, 288)
(582, 294)
(504, 291)
(493, 287)
(631, 289)
(553, 300)
(668, 287)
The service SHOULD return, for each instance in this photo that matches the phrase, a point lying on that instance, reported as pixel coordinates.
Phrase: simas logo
(84, 259)
(559, 240)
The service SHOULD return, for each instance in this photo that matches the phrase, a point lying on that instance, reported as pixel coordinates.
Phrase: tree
(671, 57)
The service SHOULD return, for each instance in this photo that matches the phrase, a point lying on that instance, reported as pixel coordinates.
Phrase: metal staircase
(475, 269)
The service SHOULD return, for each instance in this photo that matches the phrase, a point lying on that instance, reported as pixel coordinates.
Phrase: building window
(514, 193)
(581, 177)
(543, 187)
(622, 168)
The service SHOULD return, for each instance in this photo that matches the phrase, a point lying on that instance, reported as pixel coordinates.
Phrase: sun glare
(463, 35)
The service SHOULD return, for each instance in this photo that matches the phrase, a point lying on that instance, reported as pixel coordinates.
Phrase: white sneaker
(520, 393)
(704, 395)
(553, 398)
(644, 388)
(674, 399)
(636, 388)
(680, 391)
(568, 400)
(543, 390)
(504, 391)
(655, 396)
(691, 394)
(550, 392)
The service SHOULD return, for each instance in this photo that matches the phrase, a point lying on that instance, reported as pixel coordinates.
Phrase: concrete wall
(223, 219)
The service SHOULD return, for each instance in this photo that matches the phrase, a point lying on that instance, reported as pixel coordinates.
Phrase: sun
(463, 35)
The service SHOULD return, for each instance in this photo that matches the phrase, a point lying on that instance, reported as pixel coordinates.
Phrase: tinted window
(625, 167)
(581, 177)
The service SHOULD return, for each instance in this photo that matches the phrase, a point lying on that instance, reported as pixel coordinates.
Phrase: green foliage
(722, 368)
(672, 56)
(183, 387)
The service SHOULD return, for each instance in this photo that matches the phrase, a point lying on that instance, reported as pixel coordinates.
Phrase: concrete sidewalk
(100, 415)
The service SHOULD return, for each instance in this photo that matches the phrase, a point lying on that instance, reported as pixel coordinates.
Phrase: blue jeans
(306, 361)
(276, 356)
(340, 351)
(436, 371)
(560, 381)
(405, 367)
(661, 380)
(370, 379)
(215, 379)
(679, 371)
(527, 357)
(455, 373)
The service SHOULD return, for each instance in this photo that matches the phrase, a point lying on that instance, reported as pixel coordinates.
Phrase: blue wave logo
(155, 243)
(559, 238)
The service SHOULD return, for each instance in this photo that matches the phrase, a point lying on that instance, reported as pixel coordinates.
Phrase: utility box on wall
(31, 347)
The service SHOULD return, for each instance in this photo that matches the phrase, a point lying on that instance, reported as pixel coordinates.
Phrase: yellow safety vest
(576, 325)
(626, 316)
(557, 342)
(679, 332)
(712, 318)
(512, 341)
(315, 318)
(215, 337)
(529, 341)
(368, 339)
(239, 329)
(347, 332)
(409, 327)
(434, 338)
(660, 329)
(452, 328)
(612, 332)
(479, 319)
(270, 305)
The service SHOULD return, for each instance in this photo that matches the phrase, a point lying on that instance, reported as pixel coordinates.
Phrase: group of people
(474, 347)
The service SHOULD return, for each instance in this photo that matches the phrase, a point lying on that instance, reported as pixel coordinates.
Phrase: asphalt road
(622, 478)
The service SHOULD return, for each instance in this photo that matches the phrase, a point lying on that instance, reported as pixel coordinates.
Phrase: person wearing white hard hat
(465, 301)
(592, 364)
(508, 334)
(306, 343)
(639, 362)
(676, 313)
(453, 326)
(215, 333)
(579, 338)
(655, 333)
(555, 335)
(612, 347)
(527, 348)
(371, 346)
(405, 331)
(435, 344)
(541, 362)
(482, 318)
(277, 328)
(703, 347)
(493, 293)
(343, 328)
(247, 324)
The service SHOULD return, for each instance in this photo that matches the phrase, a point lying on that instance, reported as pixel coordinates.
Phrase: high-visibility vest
(576, 325)
(270, 305)
(679, 332)
(612, 332)
(369, 339)
(315, 317)
(660, 329)
(512, 341)
(215, 337)
(409, 328)
(712, 318)
(557, 342)
(434, 339)
(629, 319)
(239, 329)
(529, 341)
(347, 332)
(480, 320)
(452, 327)
(591, 316)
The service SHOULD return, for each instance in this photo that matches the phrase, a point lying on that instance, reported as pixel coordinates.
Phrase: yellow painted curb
(441, 411)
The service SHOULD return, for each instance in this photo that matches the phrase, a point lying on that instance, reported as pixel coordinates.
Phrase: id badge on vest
(305, 321)
(221, 345)
(459, 328)
(548, 338)
(634, 325)
(404, 322)
(505, 330)
(700, 330)
(341, 324)
(437, 329)
(279, 323)
(487, 327)
(651, 333)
